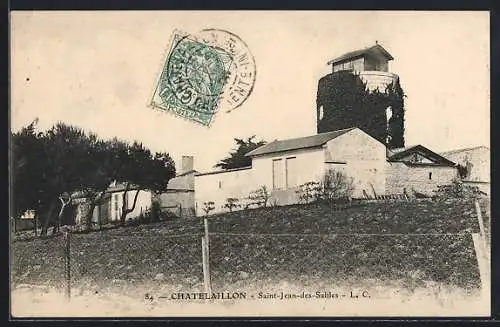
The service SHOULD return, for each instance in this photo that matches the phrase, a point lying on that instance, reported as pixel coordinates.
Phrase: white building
(476, 160)
(178, 199)
(283, 165)
(417, 169)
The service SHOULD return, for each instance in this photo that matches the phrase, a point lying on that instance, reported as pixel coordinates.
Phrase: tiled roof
(298, 143)
(361, 52)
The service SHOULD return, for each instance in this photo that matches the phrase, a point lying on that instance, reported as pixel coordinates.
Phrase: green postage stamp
(203, 74)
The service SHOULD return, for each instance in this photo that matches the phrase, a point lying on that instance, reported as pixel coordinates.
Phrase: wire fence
(201, 254)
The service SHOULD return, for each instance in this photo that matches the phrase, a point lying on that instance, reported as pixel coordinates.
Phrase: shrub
(260, 196)
(231, 203)
(208, 206)
(336, 185)
(457, 189)
(308, 192)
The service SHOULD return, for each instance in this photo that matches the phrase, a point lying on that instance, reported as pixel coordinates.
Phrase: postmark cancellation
(203, 74)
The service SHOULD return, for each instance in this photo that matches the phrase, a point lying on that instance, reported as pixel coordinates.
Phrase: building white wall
(217, 187)
(400, 175)
(479, 158)
(359, 155)
(175, 201)
(309, 166)
(180, 192)
(143, 203)
(365, 161)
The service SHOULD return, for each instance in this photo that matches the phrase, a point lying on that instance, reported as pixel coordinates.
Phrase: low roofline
(223, 171)
(342, 131)
(281, 151)
(187, 173)
(464, 149)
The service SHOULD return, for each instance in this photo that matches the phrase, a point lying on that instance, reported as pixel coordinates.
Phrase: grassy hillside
(382, 242)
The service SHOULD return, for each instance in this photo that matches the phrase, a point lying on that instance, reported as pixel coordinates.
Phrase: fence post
(206, 265)
(67, 253)
(205, 243)
(205, 222)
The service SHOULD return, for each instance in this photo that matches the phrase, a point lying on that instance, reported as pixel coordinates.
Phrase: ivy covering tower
(360, 92)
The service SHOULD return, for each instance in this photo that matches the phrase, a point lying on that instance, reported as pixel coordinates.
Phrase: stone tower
(367, 69)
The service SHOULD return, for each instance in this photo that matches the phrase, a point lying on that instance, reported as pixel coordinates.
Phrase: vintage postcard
(250, 163)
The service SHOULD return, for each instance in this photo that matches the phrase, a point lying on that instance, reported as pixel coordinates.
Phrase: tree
(141, 170)
(47, 170)
(49, 167)
(103, 163)
(67, 149)
(237, 158)
(27, 170)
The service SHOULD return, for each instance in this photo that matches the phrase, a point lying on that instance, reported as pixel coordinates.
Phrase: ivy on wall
(346, 102)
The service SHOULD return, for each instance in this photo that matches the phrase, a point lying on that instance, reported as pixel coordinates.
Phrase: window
(321, 113)
(278, 182)
(291, 172)
(220, 184)
(430, 176)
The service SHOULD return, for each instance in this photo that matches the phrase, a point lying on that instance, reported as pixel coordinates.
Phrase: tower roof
(376, 50)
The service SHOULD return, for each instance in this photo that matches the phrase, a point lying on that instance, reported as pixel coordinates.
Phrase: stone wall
(422, 179)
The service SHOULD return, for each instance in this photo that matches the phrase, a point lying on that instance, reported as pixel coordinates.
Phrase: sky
(98, 70)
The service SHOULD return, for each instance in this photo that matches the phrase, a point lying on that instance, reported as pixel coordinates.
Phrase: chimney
(187, 164)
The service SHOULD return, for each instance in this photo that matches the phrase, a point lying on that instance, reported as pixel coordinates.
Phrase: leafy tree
(45, 170)
(141, 170)
(50, 167)
(66, 149)
(237, 158)
(27, 170)
(103, 163)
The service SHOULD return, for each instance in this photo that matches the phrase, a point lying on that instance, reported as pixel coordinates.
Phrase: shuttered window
(291, 172)
(278, 182)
